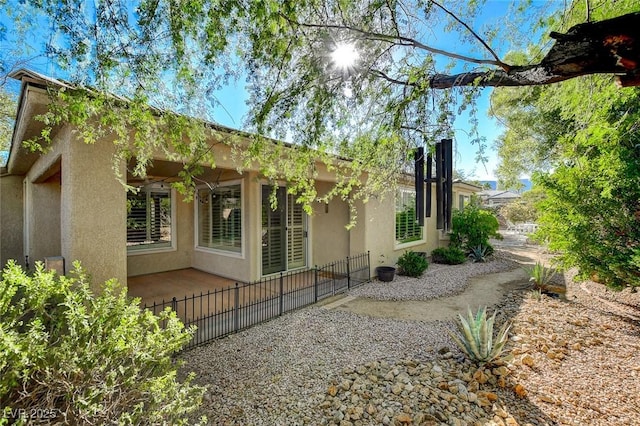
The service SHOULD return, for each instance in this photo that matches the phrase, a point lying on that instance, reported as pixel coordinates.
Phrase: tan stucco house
(67, 203)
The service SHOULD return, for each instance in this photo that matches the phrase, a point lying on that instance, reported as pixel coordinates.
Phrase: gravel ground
(573, 362)
(437, 281)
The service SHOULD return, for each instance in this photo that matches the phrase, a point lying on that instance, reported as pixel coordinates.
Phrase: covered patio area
(163, 286)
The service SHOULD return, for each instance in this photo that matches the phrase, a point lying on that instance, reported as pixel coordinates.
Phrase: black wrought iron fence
(221, 312)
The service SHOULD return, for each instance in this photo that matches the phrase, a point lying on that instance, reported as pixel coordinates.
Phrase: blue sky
(233, 97)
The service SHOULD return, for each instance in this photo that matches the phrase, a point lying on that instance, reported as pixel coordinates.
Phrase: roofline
(33, 78)
(460, 181)
(28, 76)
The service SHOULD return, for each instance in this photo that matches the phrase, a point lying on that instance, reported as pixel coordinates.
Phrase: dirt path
(484, 290)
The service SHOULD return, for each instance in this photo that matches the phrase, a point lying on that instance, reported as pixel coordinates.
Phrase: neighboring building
(67, 203)
(492, 197)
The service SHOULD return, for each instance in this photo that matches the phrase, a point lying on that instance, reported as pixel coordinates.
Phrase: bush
(448, 255)
(412, 264)
(473, 227)
(80, 358)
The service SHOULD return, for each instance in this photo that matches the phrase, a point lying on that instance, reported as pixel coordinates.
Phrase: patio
(163, 286)
(219, 306)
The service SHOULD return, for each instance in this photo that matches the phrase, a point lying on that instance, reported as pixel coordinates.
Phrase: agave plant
(476, 339)
(479, 253)
(539, 274)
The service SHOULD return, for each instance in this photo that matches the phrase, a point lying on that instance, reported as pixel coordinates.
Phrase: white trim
(400, 245)
(410, 243)
(307, 229)
(196, 222)
(136, 252)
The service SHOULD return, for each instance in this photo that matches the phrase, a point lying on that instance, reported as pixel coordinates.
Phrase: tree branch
(605, 47)
(521, 76)
(390, 79)
(448, 12)
(399, 40)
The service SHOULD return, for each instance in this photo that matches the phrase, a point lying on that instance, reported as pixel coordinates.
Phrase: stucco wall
(93, 211)
(375, 230)
(329, 236)
(43, 200)
(11, 220)
(180, 257)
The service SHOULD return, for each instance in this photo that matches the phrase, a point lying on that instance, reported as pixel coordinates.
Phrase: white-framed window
(219, 218)
(407, 228)
(463, 200)
(150, 219)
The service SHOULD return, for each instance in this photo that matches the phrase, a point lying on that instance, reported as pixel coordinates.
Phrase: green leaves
(96, 358)
(412, 264)
(539, 274)
(472, 227)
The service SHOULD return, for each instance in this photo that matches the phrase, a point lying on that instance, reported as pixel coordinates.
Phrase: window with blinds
(220, 218)
(149, 219)
(407, 227)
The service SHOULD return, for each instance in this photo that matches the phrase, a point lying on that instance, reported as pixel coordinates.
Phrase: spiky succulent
(539, 274)
(476, 339)
(479, 254)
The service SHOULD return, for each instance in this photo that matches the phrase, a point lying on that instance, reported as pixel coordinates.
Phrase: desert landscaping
(570, 360)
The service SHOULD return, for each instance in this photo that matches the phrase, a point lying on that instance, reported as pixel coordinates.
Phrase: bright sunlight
(345, 56)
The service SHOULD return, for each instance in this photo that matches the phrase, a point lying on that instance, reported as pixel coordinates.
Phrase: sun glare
(344, 56)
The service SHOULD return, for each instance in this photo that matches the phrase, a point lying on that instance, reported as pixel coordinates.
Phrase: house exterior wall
(93, 211)
(11, 219)
(375, 230)
(43, 219)
(76, 208)
(328, 234)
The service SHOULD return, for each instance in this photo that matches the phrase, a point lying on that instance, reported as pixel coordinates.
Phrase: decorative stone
(480, 377)
(396, 389)
(520, 390)
(527, 360)
(403, 418)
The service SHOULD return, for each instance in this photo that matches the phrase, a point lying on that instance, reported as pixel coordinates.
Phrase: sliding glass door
(284, 232)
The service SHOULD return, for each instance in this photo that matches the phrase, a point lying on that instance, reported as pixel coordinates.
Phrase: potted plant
(385, 273)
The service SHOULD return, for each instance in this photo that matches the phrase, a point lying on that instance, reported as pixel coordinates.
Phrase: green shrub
(476, 339)
(412, 264)
(87, 359)
(472, 227)
(448, 255)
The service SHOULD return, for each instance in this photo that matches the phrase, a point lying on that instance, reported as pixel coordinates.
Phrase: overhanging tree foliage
(7, 115)
(582, 138)
(373, 108)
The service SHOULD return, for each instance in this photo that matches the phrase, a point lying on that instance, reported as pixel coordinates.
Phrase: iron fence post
(368, 266)
(236, 309)
(348, 275)
(174, 305)
(281, 293)
(333, 279)
(315, 284)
